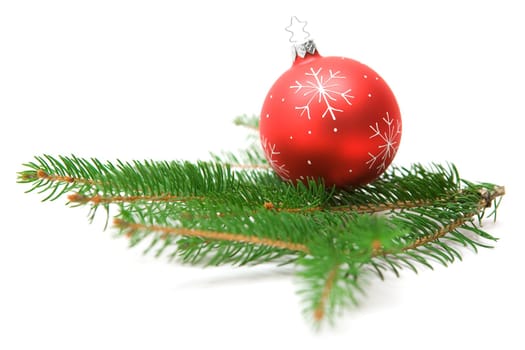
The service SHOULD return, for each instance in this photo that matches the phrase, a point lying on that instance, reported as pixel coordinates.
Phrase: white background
(163, 80)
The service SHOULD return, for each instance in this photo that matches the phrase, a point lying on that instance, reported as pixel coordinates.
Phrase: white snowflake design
(389, 148)
(270, 151)
(323, 89)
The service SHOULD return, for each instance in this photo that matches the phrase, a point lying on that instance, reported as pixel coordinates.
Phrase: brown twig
(223, 236)
(361, 208)
(328, 285)
(439, 233)
(487, 197)
(98, 199)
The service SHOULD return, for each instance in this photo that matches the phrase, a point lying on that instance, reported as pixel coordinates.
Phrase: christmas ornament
(329, 117)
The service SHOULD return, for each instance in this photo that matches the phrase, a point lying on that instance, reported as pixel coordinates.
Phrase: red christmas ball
(331, 118)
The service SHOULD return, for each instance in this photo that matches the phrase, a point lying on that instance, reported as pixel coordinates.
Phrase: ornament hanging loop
(299, 38)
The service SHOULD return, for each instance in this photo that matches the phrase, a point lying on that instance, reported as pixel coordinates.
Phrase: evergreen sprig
(235, 210)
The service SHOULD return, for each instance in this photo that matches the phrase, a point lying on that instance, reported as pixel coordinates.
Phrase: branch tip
(269, 205)
(42, 174)
(77, 198)
(319, 314)
(119, 223)
(376, 246)
(487, 196)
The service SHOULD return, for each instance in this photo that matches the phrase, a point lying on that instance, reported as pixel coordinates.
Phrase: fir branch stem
(487, 197)
(360, 208)
(42, 175)
(98, 199)
(224, 236)
(319, 311)
(375, 208)
(439, 233)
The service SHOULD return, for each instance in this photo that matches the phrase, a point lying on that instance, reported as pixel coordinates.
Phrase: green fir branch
(235, 210)
(250, 122)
